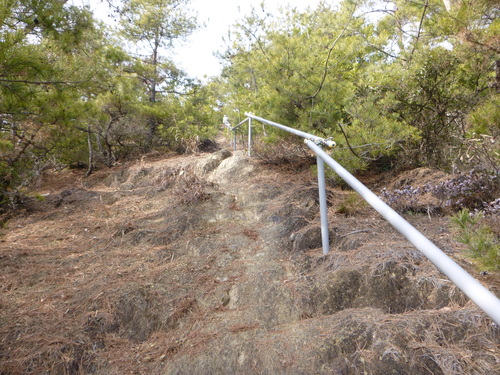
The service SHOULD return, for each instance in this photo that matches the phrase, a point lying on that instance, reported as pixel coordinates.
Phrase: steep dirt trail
(210, 264)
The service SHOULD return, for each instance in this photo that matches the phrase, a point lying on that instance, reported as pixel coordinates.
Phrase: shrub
(404, 199)
(352, 204)
(482, 243)
(475, 190)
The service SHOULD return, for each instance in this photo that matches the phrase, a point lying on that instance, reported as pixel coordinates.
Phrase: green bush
(482, 243)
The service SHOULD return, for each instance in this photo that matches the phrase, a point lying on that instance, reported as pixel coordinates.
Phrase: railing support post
(323, 209)
(481, 296)
(234, 130)
(249, 137)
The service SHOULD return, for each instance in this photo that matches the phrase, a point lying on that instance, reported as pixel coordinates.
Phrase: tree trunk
(108, 152)
(153, 122)
(91, 152)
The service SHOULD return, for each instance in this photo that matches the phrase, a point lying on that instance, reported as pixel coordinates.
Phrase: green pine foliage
(404, 82)
(67, 84)
(395, 83)
(482, 244)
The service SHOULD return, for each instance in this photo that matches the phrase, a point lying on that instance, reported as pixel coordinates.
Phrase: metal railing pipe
(481, 296)
(249, 136)
(233, 129)
(240, 123)
(323, 208)
(300, 133)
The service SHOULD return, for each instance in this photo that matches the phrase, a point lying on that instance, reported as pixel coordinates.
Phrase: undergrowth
(404, 199)
(191, 189)
(482, 243)
(474, 190)
(287, 153)
(352, 204)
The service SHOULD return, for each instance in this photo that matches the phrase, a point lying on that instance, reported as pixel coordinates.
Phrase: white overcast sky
(196, 55)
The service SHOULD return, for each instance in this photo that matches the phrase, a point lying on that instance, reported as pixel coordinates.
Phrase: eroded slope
(210, 265)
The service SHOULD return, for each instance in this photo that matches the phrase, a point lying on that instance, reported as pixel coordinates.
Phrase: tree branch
(347, 141)
(325, 71)
(261, 47)
(40, 82)
(349, 145)
(426, 5)
(380, 49)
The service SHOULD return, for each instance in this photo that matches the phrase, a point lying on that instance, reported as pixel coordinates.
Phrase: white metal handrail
(235, 128)
(481, 296)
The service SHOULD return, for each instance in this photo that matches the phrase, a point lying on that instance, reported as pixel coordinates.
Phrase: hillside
(210, 264)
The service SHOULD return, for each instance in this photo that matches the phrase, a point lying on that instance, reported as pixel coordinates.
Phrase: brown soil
(210, 264)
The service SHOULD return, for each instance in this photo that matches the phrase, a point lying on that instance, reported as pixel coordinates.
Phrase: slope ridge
(210, 264)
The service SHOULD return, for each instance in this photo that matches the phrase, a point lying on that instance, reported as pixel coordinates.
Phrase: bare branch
(40, 82)
(351, 148)
(325, 71)
(426, 5)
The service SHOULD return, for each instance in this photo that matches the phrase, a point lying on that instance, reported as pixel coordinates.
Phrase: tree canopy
(399, 79)
(71, 92)
(396, 83)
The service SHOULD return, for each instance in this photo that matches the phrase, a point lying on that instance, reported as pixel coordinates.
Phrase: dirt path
(210, 264)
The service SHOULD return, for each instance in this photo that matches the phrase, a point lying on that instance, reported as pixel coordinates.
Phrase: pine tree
(154, 25)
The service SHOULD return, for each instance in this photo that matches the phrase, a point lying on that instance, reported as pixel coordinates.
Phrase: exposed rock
(232, 170)
(306, 239)
(207, 165)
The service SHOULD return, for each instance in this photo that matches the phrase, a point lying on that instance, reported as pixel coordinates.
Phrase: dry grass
(192, 189)
(128, 275)
(291, 154)
(352, 204)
